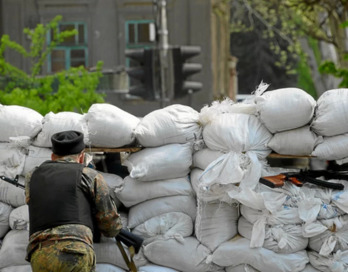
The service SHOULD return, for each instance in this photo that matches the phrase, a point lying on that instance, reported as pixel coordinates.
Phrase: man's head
(66, 143)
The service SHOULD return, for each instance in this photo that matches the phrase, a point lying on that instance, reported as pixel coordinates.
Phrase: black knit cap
(67, 143)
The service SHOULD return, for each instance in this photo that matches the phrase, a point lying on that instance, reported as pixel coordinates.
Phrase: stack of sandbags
(243, 140)
(330, 121)
(287, 114)
(158, 192)
(110, 126)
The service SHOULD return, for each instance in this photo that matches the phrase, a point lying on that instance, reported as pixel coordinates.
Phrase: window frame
(68, 48)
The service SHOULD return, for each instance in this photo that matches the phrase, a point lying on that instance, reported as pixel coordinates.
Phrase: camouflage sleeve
(107, 218)
(27, 183)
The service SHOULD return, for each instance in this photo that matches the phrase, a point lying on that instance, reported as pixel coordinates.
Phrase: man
(67, 203)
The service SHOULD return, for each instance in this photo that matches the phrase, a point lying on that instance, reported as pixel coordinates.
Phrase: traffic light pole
(166, 76)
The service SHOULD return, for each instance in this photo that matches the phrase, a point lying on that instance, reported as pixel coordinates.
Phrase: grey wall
(188, 24)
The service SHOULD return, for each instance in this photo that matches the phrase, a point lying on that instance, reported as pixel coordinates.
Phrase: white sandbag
(12, 195)
(241, 268)
(100, 267)
(156, 268)
(12, 159)
(237, 251)
(331, 113)
(337, 262)
(133, 192)
(5, 211)
(19, 121)
(107, 252)
(35, 156)
(110, 126)
(174, 124)
(202, 158)
(189, 256)
(216, 222)
(208, 112)
(57, 122)
(332, 148)
(279, 238)
(19, 218)
(172, 225)
(244, 169)
(142, 212)
(157, 163)
(285, 109)
(237, 132)
(299, 141)
(333, 239)
(212, 192)
(13, 250)
(17, 268)
(261, 218)
(248, 268)
(114, 181)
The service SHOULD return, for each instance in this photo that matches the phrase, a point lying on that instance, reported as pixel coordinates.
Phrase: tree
(69, 90)
(292, 21)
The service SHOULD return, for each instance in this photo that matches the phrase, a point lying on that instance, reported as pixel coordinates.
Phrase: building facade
(106, 28)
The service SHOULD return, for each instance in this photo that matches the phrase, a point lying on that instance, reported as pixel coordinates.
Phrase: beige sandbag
(285, 109)
(19, 218)
(57, 122)
(174, 124)
(5, 211)
(19, 121)
(110, 126)
(13, 249)
(189, 256)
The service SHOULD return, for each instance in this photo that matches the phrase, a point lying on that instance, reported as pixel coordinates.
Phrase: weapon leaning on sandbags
(303, 176)
(132, 241)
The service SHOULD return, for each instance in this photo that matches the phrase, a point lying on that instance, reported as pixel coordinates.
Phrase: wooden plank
(111, 150)
(282, 156)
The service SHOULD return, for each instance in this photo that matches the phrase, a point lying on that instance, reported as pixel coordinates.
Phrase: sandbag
(156, 268)
(299, 141)
(285, 109)
(237, 251)
(110, 126)
(337, 262)
(12, 159)
(174, 124)
(216, 222)
(19, 218)
(5, 211)
(331, 114)
(34, 157)
(163, 162)
(11, 194)
(142, 212)
(19, 121)
(172, 225)
(13, 249)
(189, 256)
(107, 252)
(332, 148)
(237, 132)
(61, 121)
(202, 158)
(100, 267)
(133, 192)
(279, 238)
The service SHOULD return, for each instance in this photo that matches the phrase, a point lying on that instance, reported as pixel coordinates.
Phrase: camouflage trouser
(63, 256)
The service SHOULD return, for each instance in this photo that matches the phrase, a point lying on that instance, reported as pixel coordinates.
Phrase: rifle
(299, 178)
(13, 181)
(132, 241)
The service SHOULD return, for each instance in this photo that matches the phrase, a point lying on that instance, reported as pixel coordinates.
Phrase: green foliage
(68, 90)
(329, 67)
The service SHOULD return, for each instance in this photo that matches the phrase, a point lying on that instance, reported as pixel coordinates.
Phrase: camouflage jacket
(106, 216)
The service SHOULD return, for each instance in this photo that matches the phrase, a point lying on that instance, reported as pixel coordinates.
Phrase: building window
(140, 34)
(72, 52)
